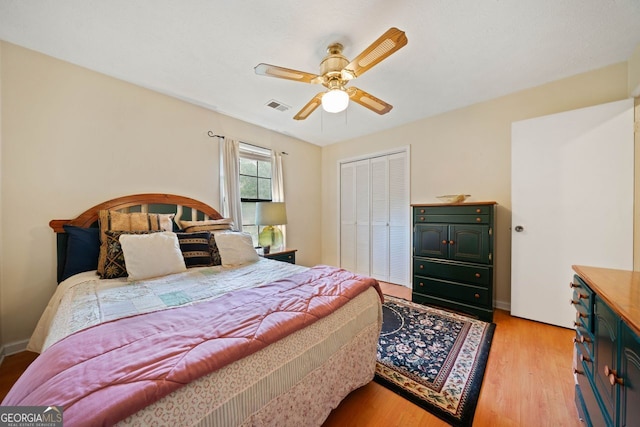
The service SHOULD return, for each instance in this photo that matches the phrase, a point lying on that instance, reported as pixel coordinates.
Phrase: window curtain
(277, 187)
(230, 181)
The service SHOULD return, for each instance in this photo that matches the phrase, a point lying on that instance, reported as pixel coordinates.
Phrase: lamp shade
(271, 213)
(335, 100)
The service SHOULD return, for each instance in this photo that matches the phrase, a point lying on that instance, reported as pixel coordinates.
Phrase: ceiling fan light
(335, 100)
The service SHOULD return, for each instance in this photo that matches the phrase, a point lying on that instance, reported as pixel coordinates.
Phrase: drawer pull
(421, 266)
(576, 324)
(573, 285)
(421, 218)
(581, 339)
(478, 219)
(584, 358)
(421, 284)
(478, 210)
(577, 371)
(581, 314)
(421, 210)
(584, 339)
(444, 242)
(451, 242)
(574, 302)
(477, 275)
(477, 295)
(613, 376)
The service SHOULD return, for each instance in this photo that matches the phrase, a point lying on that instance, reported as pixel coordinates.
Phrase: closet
(375, 218)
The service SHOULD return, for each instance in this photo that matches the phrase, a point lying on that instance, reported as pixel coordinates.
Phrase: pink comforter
(105, 373)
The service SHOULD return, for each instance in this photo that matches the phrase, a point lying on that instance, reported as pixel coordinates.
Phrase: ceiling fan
(335, 73)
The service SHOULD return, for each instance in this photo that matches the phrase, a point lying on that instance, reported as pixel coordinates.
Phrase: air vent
(277, 105)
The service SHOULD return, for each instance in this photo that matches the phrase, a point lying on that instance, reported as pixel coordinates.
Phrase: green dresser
(607, 346)
(453, 257)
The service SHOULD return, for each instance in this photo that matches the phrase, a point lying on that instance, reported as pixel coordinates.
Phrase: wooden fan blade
(388, 43)
(310, 107)
(286, 73)
(369, 101)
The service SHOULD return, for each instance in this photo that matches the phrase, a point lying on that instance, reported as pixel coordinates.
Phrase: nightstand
(285, 255)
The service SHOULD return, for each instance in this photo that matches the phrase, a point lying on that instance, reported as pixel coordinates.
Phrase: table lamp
(271, 214)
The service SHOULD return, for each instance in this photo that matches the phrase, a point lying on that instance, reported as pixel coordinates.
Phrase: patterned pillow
(213, 248)
(196, 249)
(135, 221)
(206, 225)
(114, 265)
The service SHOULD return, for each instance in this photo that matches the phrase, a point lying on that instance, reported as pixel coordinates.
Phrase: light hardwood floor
(528, 382)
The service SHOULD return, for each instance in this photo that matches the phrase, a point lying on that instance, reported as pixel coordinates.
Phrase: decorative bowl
(453, 198)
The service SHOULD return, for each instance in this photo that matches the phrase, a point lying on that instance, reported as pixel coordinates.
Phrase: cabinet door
(469, 243)
(630, 370)
(606, 342)
(431, 240)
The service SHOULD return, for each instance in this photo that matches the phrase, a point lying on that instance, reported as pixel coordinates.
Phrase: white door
(375, 217)
(348, 216)
(380, 218)
(363, 220)
(572, 203)
(399, 222)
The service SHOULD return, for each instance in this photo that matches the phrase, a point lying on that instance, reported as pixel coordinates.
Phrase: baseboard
(502, 305)
(14, 347)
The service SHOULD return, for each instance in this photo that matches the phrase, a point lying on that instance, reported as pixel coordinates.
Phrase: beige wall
(72, 138)
(469, 151)
(634, 73)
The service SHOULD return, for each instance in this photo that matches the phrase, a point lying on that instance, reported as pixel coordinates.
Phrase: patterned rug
(434, 358)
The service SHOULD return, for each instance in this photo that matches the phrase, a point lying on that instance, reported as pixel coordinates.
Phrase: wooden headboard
(185, 208)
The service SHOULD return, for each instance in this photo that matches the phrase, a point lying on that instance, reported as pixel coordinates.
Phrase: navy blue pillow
(196, 249)
(83, 249)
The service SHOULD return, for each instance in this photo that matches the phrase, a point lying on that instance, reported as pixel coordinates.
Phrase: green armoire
(453, 261)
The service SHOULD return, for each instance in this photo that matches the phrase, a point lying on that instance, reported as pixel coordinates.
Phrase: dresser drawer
(474, 274)
(583, 301)
(452, 291)
(453, 219)
(584, 353)
(286, 256)
(453, 210)
(594, 414)
(584, 341)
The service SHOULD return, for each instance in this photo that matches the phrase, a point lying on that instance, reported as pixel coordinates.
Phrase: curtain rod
(212, 135)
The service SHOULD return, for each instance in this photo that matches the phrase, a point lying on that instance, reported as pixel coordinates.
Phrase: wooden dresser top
(620, 289)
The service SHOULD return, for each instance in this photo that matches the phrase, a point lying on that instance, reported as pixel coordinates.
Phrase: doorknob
(519, 228)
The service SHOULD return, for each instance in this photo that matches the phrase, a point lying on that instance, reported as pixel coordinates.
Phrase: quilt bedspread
(134, 361)
(84, 300)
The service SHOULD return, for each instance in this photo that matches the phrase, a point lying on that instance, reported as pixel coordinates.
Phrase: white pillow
(152, 255)
(236, 248)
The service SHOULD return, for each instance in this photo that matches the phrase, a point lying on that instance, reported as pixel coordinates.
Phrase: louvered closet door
(348, 216)
(362, 218)
(399, 223)
(375, 219)
(380, 218)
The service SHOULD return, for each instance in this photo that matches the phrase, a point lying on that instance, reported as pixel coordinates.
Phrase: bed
(225, 338)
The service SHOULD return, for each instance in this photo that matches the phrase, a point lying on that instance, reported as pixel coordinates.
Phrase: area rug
(434, 358)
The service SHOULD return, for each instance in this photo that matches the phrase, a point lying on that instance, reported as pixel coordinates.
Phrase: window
(255, 184)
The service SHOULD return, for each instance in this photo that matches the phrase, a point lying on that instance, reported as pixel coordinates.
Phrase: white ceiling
(459, 52)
